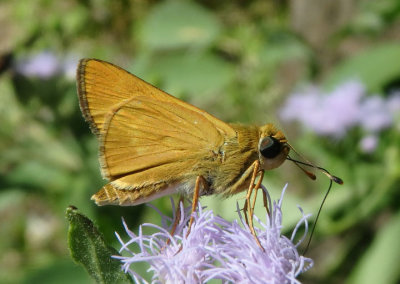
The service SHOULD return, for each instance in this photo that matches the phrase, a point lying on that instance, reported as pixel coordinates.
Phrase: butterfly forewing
(145, 134)
(102, 85)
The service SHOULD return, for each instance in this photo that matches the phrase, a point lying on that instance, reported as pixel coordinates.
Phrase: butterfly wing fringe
(112, 195)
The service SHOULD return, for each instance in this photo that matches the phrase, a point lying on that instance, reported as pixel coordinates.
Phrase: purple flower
(43, 65)
(369, 143)
(46, 65)
(216, 249)
(375, 114)
(331, 114)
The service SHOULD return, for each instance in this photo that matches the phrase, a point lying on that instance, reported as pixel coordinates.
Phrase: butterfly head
(272, 147)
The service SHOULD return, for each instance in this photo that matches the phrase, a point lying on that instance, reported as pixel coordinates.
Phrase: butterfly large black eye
(270, 147)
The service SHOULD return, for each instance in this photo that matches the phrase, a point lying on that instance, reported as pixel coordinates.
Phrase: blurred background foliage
(239, 60)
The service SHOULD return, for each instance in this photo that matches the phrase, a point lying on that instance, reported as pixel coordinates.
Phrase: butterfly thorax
(225, 173)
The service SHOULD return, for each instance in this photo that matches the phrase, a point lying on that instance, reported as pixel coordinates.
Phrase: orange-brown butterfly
(153, 144)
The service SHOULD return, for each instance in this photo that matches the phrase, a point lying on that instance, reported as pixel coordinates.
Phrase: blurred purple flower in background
(216, 249)
(331, 114)
(43, 65)
(335, 113)
(369, 143)
(47, 64)
(374, 114)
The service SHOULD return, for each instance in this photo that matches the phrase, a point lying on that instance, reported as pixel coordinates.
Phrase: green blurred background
(239, 60)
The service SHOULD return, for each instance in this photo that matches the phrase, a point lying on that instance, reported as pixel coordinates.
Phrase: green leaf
(199, 73)
(11, 112)
(375, 67)
(380, 263)
(40, 175)
(179, 24)
(88, 248)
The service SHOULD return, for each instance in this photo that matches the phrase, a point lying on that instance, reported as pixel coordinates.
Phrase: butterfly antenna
(308, 173)
(309, 164)
(316, 219)
(331, 177)
(336, 179)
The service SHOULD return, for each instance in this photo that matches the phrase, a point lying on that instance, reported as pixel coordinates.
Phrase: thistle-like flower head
(216, 249)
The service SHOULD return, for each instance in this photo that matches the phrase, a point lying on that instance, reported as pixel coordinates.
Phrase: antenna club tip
(337, 180)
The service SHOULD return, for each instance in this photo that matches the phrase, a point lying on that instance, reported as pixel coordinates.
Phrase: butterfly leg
(248, 208)
(265, 201)
(177, 215)
(254, 168)
(256, 188)
(196, 194)
(176, 220)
